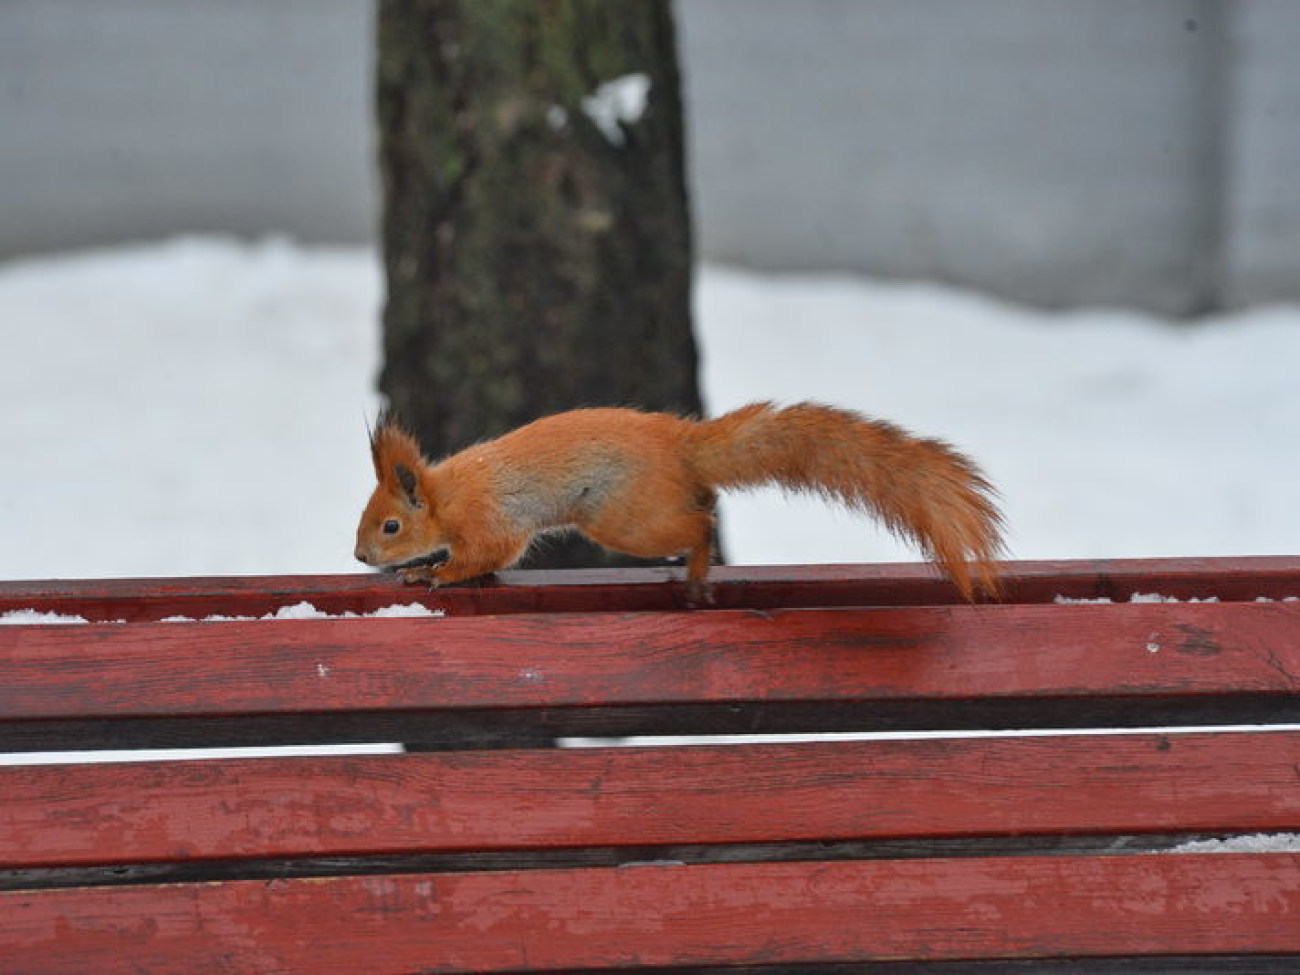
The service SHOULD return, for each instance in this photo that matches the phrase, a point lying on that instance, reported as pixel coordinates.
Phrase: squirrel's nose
(361, 555)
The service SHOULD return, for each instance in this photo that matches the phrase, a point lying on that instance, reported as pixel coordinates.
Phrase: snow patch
(615, 104)
(1157, 598)
(306, 611)
(1154, 597)
(297, 611)
(33, 617)
(1252, 843)
(1141, 597)
(407, 609)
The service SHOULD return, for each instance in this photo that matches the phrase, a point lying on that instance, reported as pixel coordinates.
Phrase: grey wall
(1262, 199)
(133, 118)
(1054, 151)
(1049, 149)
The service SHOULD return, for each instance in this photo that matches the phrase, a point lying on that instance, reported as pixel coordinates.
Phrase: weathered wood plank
(947, 652)
(457, 682)
(833, 791)
(397, 852)
(1024, 907)
(639, 590)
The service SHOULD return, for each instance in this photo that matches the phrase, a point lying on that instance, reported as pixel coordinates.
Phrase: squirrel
(646, 484)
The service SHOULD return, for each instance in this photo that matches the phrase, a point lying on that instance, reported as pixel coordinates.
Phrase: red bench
(488, 849)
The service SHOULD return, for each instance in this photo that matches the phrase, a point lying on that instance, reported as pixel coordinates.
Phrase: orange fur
(645, 483)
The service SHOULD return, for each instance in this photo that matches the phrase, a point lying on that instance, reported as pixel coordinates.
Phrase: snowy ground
(197, 406)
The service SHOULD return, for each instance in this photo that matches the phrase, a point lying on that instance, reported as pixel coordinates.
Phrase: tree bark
(536, 236)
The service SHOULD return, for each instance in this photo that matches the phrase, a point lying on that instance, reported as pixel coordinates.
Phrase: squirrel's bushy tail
(922, 490)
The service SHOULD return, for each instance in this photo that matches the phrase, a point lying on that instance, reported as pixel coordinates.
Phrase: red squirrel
(646, 484)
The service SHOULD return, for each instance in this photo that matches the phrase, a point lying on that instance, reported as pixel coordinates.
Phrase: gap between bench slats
(549, 799)
(1023, 907)
(601, 590)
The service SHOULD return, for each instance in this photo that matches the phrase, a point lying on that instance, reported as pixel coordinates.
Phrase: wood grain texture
(575, 660)
(517, 800)
(630, 590)
(409, 856)
(1025, 907)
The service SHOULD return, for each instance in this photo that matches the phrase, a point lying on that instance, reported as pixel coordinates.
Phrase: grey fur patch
(567, 498)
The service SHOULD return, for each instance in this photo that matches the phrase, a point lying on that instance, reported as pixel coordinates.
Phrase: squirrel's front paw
(419, 574)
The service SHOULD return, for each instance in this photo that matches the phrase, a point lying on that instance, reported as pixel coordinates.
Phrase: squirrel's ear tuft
(410, 485)
(397, 458)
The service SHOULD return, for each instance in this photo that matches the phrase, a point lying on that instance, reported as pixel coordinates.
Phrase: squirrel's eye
(392, 526)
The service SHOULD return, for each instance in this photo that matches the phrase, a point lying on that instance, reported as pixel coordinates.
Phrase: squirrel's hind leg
(688, 533)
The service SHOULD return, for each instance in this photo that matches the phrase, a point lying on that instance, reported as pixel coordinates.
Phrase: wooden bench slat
(949, 653)
(843, 853)
(847, 790)
(628, 590)
(1021, 907)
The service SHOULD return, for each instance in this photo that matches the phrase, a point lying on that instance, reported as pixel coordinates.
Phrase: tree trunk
(536, 237)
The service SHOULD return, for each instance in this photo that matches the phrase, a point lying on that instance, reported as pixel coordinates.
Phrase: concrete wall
(135, 118)
(1048, 149)
(1262, 198)
(1053, 151)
